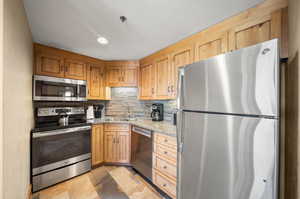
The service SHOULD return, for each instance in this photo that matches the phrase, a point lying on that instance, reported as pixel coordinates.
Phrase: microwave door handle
(78, 91)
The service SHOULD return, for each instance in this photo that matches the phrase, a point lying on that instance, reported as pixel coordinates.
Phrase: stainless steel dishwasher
(141, 151)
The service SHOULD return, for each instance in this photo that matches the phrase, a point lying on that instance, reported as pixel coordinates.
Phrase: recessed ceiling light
(102, 40)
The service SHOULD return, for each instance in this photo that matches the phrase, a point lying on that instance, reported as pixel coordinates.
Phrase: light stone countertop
(163, 127)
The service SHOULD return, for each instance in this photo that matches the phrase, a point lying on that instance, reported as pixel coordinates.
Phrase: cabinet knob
(166, 152)
(166, 140)
(164, 185)
(165, 167)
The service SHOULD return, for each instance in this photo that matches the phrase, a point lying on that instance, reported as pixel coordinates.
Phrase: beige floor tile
(133, 187)
(109, 182)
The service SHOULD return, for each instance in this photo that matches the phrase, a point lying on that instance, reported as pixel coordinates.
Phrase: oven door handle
(60, 131)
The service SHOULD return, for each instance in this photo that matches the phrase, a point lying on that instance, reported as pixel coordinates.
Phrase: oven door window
(51, 149)
(53, 89)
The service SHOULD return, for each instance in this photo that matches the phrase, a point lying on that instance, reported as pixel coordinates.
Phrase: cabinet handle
(114, 140)
(152, 90)
(62, 68)
(66, 68)
(168, 89)
(164, 185)
(166, 140)
(165, 167)
(166, 152)
(172, 88)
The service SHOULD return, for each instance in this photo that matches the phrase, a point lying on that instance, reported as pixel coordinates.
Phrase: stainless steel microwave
(58, 89)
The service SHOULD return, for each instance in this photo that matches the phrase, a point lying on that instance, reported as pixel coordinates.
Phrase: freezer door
(245, 81)
(228, 157)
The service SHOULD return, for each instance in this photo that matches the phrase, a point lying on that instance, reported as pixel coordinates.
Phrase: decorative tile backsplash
(125, 103)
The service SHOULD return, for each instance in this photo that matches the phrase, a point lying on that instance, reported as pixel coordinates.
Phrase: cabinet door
(163, 78)
(211, 46)
(147, 81)
(75, 69)
(257, 31)
(129, 76)
(49, 65)
(97, 144)
(110, 146)
(180, 58)
(96, 82)
(114, 76)
(123, 147)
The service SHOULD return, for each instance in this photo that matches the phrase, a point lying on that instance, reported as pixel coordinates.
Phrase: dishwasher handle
(142, 131)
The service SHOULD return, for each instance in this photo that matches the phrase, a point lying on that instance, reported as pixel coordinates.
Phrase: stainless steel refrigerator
(228, 125)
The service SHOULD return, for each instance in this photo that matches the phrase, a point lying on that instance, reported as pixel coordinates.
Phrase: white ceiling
(152, 24)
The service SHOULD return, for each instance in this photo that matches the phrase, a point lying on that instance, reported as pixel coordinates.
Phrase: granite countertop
(158, 127)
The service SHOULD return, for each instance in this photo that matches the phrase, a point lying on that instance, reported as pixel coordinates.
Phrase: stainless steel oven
(141, 151)
(58, 89)
(59, 154)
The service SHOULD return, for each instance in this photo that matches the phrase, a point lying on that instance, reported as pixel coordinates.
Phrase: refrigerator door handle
(179, 131)
(180, 88)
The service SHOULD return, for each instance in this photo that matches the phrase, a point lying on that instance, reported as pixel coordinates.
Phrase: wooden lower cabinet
(97, 144)
(164, 183)
(164, 171)
(117, 143)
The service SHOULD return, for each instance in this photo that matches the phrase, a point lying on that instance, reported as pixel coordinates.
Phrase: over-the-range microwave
(58, 89)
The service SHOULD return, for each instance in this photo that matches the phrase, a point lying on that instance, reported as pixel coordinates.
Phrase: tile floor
(102, 183)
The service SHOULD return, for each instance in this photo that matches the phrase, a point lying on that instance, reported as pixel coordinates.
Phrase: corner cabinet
(122, 73)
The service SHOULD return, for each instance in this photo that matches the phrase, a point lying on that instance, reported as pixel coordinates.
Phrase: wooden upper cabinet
(96, 82)
(147, 81)
(49, 65)
(122, 73)
(211, 45)
(75, 69)
(164, 77)
(97, 144)
(114, 75)
(130, 75)
(256, 31)
(180, 58)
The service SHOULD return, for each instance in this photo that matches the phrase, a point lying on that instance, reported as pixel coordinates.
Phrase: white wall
(17, 104)
(1, 107)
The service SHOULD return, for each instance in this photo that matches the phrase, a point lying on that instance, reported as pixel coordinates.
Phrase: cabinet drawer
(164, 183)
(166, 152)
(164, 166)
(165, 140)
(116, 127)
